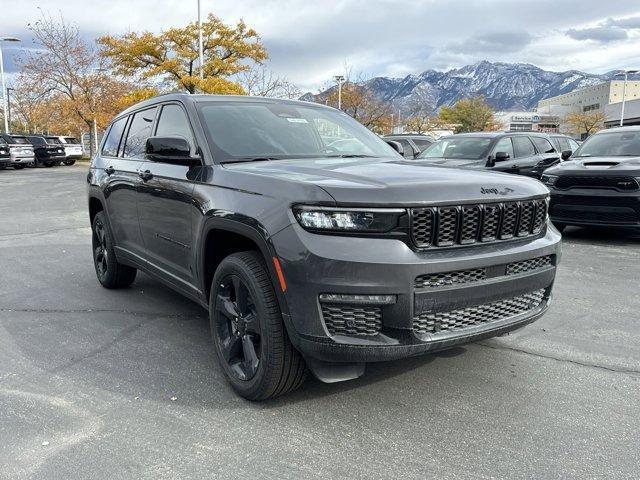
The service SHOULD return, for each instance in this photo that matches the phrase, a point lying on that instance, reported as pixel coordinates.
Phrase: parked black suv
(47, 154)
(307, 256)
(527, 153)
(600, 186)
(412, 144)
(5, 155)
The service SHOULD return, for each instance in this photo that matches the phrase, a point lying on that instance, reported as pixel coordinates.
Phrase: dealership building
(590, 99)
(528, 122)
(631, 113)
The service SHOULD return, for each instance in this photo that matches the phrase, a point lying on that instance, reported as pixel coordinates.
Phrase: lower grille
(528, 265)
(450, 278)
(597, 214)
(352, 319)
(454, 320)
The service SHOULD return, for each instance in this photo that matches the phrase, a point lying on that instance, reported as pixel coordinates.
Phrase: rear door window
(523, 147)
(111, 143)
(139, 131)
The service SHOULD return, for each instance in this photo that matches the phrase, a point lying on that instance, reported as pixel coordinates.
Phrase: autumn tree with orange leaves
(172, 55)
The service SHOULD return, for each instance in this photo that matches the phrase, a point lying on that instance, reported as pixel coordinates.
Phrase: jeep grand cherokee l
(47, 154)
(308, 257)
(527, 153)
(600, 186)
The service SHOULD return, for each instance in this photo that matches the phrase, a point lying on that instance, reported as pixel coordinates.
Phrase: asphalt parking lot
(124, 384)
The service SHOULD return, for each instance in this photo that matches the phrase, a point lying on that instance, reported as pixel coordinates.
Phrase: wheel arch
(223, 236)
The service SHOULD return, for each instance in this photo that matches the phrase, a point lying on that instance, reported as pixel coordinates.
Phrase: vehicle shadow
(602, 236)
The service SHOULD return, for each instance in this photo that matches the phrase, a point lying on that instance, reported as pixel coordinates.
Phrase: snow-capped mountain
(505, 86)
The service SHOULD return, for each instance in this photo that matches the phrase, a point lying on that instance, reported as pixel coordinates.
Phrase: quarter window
(173, 122)
(523, 147)
(139, 131)
(110, 146)
(543, 145)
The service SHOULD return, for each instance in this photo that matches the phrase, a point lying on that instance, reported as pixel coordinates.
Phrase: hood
(394, 182)
(599, 166)
(453, 162)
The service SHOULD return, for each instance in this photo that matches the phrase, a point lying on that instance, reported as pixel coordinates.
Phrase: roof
(199, 97)
(496, 134)
(630, 128)
(418, 135)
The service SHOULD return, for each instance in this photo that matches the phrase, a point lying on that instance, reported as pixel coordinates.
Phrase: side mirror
(174, 150)
(502, 156)
(566, 154)
(397, 146)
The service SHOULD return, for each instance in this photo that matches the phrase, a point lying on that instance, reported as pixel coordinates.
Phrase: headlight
(373, 220)
(549, 179)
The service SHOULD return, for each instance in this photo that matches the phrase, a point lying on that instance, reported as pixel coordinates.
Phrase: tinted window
(422, 143)
(37, 141)
(556, 143)
(523, 147)
(71, 140)
(53, 140)
(457, 147)
(173, 122)
(139, 131)
(22, 140)
(543, 145)
(504, 145)
(408, 148)
(110, 147)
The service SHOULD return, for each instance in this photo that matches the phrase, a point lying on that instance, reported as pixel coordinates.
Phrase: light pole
(4, 91)
(340, 80)
(624, 73)
(200, 42)
(9, 106)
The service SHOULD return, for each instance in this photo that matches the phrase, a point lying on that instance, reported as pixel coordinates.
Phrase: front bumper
(22, 160)
(595, 207)
(319, 264)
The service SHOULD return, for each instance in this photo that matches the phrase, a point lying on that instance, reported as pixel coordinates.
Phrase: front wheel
(48, 164)
(110, 273)
(69, 162)
(250, 340)
(18, 167)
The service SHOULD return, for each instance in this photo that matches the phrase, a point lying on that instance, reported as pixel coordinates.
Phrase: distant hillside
(506, 86)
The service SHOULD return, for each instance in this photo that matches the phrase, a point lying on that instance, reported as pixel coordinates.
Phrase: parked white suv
(72, 149)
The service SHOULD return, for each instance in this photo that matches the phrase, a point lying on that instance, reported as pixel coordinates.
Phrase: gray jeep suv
(308, 257)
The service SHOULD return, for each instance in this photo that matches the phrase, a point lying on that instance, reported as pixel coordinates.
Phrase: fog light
(358, 299)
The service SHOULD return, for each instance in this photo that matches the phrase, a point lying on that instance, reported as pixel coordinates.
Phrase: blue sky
(309, 41)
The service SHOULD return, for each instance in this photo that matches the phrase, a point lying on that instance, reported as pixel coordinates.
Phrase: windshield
(618, 144)
(71, 140)
(22, 140)
(244, 131)
(53, 140)
(457, 148)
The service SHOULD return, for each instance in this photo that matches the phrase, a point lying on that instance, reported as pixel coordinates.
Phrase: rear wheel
(249, 337)
(110, 273)
(69, 162)
(18, 166)
(48, 164)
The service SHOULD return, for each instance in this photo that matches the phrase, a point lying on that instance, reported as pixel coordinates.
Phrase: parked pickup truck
(309, 257)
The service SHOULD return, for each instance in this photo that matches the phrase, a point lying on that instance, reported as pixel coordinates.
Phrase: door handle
(109, 170)
(146, 175)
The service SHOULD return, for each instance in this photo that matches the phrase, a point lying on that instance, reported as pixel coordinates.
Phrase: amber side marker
(283, 284)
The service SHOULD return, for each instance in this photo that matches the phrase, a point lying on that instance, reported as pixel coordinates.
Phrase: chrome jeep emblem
(495, 191)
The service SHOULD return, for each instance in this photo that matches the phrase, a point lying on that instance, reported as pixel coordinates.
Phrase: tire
(48, 164)
(18, 167)
(69, 162)
(110, 273)
(3, 167)
(277, 368)
(57, 163)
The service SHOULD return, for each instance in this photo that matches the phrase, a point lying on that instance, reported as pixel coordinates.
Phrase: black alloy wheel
(249, 336)
(110, 273)
(238, 328)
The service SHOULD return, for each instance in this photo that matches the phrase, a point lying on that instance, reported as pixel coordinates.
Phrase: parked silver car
(21, 151)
